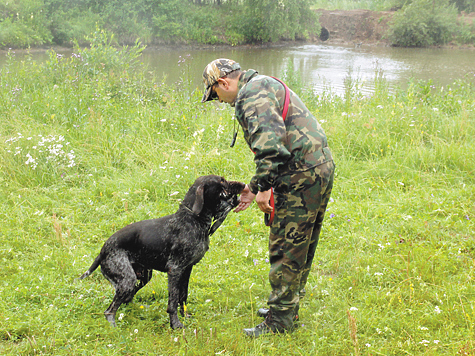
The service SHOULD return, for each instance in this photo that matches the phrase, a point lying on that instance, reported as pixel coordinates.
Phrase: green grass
(394, 271)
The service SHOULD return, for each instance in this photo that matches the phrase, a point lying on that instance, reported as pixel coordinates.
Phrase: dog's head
(212, 195)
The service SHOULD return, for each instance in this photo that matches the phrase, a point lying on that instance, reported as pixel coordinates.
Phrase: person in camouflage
(293, 159)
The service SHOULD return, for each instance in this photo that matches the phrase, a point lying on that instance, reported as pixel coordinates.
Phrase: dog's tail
(93, 267)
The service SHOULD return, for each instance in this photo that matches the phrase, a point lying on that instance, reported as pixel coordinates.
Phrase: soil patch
(356, 26)
(364, 26)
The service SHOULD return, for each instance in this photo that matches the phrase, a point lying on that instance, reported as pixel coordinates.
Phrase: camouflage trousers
(300, 200)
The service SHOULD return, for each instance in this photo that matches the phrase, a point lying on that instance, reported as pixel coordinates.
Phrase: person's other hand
(246, 199)
(262, 200)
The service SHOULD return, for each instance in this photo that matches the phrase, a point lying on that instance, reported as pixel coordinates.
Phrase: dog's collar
(202, 218)
(189, 210)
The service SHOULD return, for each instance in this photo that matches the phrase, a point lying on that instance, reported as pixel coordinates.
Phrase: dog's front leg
(184, 280)
(174, 276)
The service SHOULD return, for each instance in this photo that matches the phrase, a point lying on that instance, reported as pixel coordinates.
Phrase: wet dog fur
(171, 244)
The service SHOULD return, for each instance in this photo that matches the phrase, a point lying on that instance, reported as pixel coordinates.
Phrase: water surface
(321, 66)
(326, 66)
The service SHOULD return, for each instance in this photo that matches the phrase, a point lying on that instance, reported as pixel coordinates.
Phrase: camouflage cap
(213, 71)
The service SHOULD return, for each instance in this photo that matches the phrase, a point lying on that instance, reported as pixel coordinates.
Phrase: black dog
(171, 244)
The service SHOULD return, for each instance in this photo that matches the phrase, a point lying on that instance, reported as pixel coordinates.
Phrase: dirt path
(362, 26)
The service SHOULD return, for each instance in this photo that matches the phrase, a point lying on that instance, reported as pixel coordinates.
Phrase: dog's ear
(199, 199)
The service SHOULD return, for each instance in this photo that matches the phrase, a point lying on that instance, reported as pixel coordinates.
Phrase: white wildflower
(199, 132)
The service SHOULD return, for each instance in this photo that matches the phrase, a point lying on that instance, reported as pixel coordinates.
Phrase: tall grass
(91, 143)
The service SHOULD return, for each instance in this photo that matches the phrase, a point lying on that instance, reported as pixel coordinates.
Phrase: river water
(327, 66)
(321, 66)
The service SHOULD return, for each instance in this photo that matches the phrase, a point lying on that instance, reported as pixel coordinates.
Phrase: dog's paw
(178, 325)
(111, 319)
(175, 323)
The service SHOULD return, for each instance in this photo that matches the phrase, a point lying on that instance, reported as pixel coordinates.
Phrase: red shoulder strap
(269, 218)
(286, 100)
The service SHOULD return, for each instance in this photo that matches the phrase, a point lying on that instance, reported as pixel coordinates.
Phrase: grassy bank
(90, 143)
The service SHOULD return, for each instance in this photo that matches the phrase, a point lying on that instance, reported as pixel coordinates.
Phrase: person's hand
(246, 199)
(262, 200)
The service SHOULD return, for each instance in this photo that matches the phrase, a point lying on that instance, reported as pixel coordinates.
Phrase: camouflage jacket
(280, 147)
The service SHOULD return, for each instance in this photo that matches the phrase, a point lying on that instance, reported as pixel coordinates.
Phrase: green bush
(268, 20)
(374, 5)
(66, 28)
(464, 5)
(33, 22)
(202, 25)
(23, 24)
(465, 34)
(423, 23)
(461, 5)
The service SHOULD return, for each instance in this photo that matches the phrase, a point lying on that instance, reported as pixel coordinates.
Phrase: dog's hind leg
(183, 286)
(120, 273)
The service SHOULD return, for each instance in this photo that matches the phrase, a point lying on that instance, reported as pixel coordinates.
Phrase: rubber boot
(275, 322)
(262, 312)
